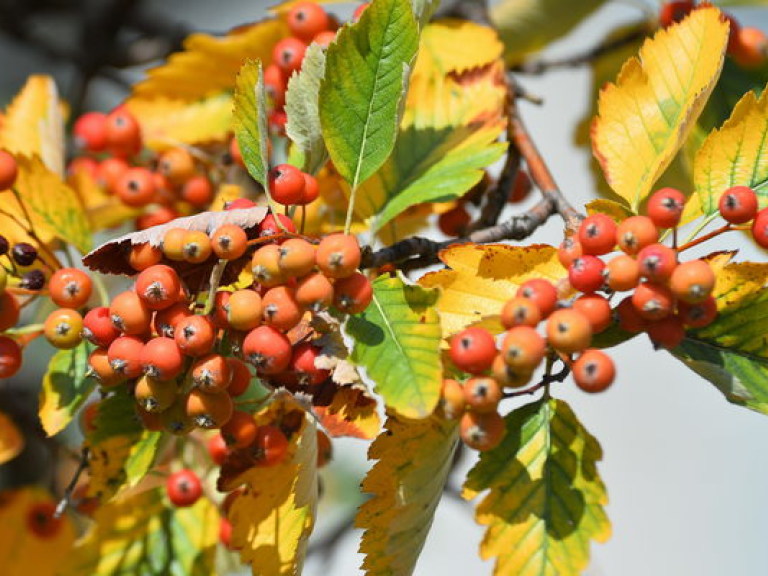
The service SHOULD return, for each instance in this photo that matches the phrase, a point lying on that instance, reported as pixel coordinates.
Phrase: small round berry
(452, 400)
(158, 286)
(307, 19)
(750, 48)
(211, 373)
(280, 308)
(597, 234)
(288, 54)
(239, 204)
(324, 39)
(569, 250)
(196, 246)
(90, 132)
(165, 321)
(303, 364)
(123, 133)
(270, 227)
(130, 314)
(311, 189)
(267, 349)
(314, 291)
(9, 170)
(672, 12)
(209, 409)
(509, 377)
(154, 395)
(630, 319)
(244, 309)
(241, 377)
(195, 335)
(217, 449)
(109, 172)
(597, 309)
(271, 444)
(480, 431)
(161, 358)
(177, 165)
(63, 328)
(70, 287)
(738, 204)
(454, 222)
(586, 274)
(173, 244)
(569, 331)
(653, 301)
(24, 254)
(184, 488)
(473, 350)
(136, 187)
(666, 333)
(352, 294)
(692, 281)
(542, 292)
(523, 348)
(98, 328)
(42, 521)
(10, 310)
(240, 430)
(198, 191)
(519, 311)
(142, 256)
(635, 233)
(265, 266)
(760, 228)
(229, 242)
(482, 394)
(10, 357)
(125, 356)
(622, 273)
(275, 85)
(657, 262)
(33, 280)
(698, 315)
(665, 207)
(296, 257)
(338, 255)
(594, 371)
(100, 368)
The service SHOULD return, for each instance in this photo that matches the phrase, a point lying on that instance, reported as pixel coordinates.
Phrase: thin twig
(546, 380)
(66, 499)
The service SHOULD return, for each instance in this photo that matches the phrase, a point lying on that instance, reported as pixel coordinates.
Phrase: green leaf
(65, 388)
(414, 459)
(545, 499)
(301, 105)
(250, 120)
(143, 534)
(430, 165)
(527, 26)
(366, 77)
(116, 416)
(397, 344)
(142, 457)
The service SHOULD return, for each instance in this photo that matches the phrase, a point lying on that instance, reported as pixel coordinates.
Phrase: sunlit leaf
(144, 534)
(22, 552)
(526, 26)
(366, 76)
(443, 48)
(351, 412)
(11, 440)
(480, 279)
(396, 345)
(102, 209)
(610, 208)
(413, 459)
(735, 154)
(33, 124)
(250, 120)
(65, 388)
(645, 117)
(301, 106)
(545, 500)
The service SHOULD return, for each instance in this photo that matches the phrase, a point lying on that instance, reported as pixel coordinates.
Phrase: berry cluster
(747, 45)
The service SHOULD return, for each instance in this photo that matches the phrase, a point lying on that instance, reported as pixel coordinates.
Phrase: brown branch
(545, 381)
(66, 500)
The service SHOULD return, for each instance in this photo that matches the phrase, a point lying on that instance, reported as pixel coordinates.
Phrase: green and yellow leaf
(545, 500)
(645, 117)
(351, 412)
(413, 458)
(143, 534)
(11, 440)
(250, 120)
(65, 388)
(443, 48)
(480, 279)
(397, 346)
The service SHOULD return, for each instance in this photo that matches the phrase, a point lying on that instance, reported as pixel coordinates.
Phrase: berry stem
(216, 274)
(708, 236)
(545, 381)
(66, 499)
(350, 210)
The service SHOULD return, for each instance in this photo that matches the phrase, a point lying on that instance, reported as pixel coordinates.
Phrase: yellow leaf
(645, 117)
(23, 553)
(352, 412)
(102, 209)
(443, 48)
(273, 518)
(168, 122)
(143, 534)
(414, 459)
(615, 210)
(11, 440)
(226, 193)
(208, 65)
(735, 155)
(33, 125)
(480, 279)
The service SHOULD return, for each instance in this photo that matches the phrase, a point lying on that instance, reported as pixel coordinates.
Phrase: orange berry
(452, 399)
(90, 132)
(209, 409)
(338, 255)
(265, 266)
(482, 394)
(129, 313)
(123, 133)
(241, 377)
(244, 309)
(198, 191)
(692, 281)
(314, 291)
(229, 242)
(8, 170)
(211, 372)
(10, 357)
(597, 309)
(657, 262)
(109, 172)
(352, 294)
(280, 308)
(519, 311)
(288, 54)
(597, 234)
(142, 256)
(510, 377)
(307, 19)
(570, 249)
(325, 38)
(635, 233)
(158, 286)
(63, 328)
(161, 358)
(154, 395)
(653, 301)
(125, 356)
(102, 370)
(217, 448)
(195, 335)
(173, 244)
(593, 371)
(623, 273)
(267, 349)
(271, 445)
(542, 292)
(165, 321)
(482, 431)
(196, 246)
(296, 257)
(523, 348)
(136, 187)
(177, 165)
(70, 287)
(569, 331)
(240, 430)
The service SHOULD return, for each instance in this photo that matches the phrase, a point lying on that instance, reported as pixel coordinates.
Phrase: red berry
(303, 364)
(542, 292)
(454, 221)
(665, 207)
(657, 262)
(593, 371)
(667, 332)
(672, 12)
(635, 233)
(629, 318)
(271, 444)
(136, 187)
(184, 488)
(482, 394)
(760, 228)
(158, 286)
(352, 294)
(161, 358)
(473, 350)
(286, 184)
(70, 287)
(8, 170)
(738, 204)
(586, 274)
(597, 309)
(217, 449)
(195, 335)
(125, 356)
(653, 301)
(123, 133)
(269, 226)
(520, 311)
(307, 19)
(597, 234)
(239, 203)
(750, 47)
(569, 250)
(10, 357)
(42, 520)
(267, 349)
(288, 54)
(482, 432)
(90, 132)
(622, 273)
(698, 315)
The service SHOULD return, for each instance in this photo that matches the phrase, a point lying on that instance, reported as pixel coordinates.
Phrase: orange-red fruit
(352, 294)
(671, 12)
(523, 348)
(101, 369)
(267, 349)
(129, 313)
(63, 328)
(10, 357)
(311, 189)
(288, 54)
(244, 309)
(542, 292)
(229, 242)
(275, 85)
(280, 308)
(240, 430)
(653, 301)
(657, 262)
(123, 133)
(692, 281)
(296, 257)
(482, 431)
(738, 204)
(42, 521)
(698, 315)
(271, 445)
(173, 244)
(338, 255)
(158, 286)
(596, 308)
(303, 364)
(70, 287)
(136, 187)
(109, 172)
(622, 273)
(269, 226)
(593, 371)
(597, 234)
(473, 350)
(325, 38)
(667, 332)
(760, 228)
(90, 132)
(586, 274)
(453, 222)
(142, 256)
(184, 488)
(211, 373)
(665, 207)
(10, 310)
(265, 267)
(635, 233)
(198, 191)
(157, 217)
(569, 331)
(629, 318)
(482, 394)
(164, 322)
(452, 400)
(196, 246)
(154, 395)
(306, 20)
(241, 377)
(314, 291)
(195, 335)
(569, 250)
(750, 47)
(519, 311)
(125, 356)
(8, 170)
(209, 409)
(177, 165)
(161, 358)
(217, 449)
(508, 376)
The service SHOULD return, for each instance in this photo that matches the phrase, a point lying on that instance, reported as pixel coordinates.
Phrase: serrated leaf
(33, 124)
(166, 123)
(301, 106)
(11, 440)
(414, 459)
(22, 553)
(65, 388)
(443, 48)
(351, 412)
(273, 518)
(645, 117)
(141, 458)
(366, 76)
(732, 352)
(143, 534)
(735, 154)
(396, 344)
(480, 279)
(250, 120)
(545, 499)
(615, 210)
(527, 26)
(208, 65)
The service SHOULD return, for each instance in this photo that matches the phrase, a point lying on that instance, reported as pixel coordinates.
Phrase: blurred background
(686, 471)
